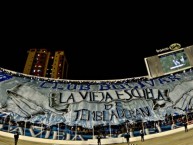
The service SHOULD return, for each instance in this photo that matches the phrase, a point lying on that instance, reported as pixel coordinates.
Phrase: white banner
(94, 104)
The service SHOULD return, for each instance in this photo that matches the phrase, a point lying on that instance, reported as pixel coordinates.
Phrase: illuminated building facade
(44, 63)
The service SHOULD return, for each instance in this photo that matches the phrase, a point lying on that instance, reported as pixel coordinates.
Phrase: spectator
(16, 137)
(127, 136)
(99, 139)
(174, 126)
(142, 135)
(185, 126)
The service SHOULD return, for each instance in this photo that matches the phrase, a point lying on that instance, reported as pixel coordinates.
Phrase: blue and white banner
(89, 105)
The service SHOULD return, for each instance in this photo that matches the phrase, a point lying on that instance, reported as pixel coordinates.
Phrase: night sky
(97, 48)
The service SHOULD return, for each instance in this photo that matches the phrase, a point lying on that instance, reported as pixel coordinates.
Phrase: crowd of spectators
(170, 122)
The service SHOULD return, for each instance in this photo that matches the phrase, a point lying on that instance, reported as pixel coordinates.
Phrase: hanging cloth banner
(88, 114)
(90, 105)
